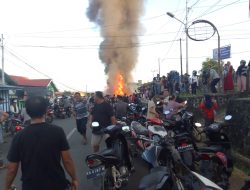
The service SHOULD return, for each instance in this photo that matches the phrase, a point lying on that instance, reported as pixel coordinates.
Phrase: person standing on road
(103, 114)
(152, 108)
(214, 79)
(3, 117)
(121, 108)
(80, 113)
(228, 77)
(242, 76)
(40, 148)
(208, 106)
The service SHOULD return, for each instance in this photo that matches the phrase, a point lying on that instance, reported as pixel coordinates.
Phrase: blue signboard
(225, 52)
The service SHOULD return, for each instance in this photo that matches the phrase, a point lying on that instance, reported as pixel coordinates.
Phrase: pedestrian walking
(242, 76)
(208, 107)
(40, 148)
(80, 112)
(103, 114)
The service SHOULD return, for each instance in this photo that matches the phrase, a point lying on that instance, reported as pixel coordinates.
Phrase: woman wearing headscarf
(228, 77)
(208, 106)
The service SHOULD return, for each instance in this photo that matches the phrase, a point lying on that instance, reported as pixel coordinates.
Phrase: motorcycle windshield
(205, 183)
(150, 155)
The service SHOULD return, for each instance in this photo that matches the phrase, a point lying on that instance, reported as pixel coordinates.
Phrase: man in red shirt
(208, 106)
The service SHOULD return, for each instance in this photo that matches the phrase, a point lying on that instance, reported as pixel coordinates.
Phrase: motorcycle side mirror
(228, 117)
(95, 124)
(166, 112)
(198, 124)
(126, 128)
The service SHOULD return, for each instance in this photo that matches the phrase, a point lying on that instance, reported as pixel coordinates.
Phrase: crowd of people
(206, 82)
(31, 147)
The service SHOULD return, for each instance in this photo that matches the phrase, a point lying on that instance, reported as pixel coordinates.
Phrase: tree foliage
(211, 63)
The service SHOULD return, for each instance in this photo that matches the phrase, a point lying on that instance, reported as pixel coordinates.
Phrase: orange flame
(120, 86)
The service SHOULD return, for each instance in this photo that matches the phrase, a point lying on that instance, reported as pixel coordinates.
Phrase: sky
(54, 39)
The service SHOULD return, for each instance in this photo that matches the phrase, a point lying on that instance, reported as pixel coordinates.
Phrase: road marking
(71, 133)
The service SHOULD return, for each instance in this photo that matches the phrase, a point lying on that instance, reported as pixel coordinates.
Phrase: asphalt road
(80, 151)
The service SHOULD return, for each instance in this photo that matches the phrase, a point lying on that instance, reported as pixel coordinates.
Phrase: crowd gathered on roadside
(207, 81)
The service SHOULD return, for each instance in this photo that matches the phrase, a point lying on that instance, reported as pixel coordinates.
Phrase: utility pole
(159, 65)
(186, 23)
(181, 57)
(3, 78)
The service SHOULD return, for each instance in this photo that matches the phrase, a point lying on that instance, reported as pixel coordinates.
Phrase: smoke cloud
(119, 23)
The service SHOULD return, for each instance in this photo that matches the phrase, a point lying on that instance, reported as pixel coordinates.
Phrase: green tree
(211, 63)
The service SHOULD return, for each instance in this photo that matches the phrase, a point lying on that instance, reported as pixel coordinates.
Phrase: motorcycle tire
(187, 158)
(220, 176)
(108, 182)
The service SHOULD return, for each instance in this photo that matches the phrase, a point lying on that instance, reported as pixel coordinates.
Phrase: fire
(120, 86)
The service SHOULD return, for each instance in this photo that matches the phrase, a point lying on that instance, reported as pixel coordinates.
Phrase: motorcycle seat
(211, 149)
(180, 135)
(108, 152)
(159, 168)
(140, 130)
(154, 180)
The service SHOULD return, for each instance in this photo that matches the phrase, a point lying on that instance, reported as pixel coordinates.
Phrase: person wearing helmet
(194, 82)
(241, 74)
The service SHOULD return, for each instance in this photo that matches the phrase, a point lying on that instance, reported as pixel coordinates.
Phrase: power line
(91, 28)
(47, 76)
(194, 4)
(205, 6)
(235, 2)
(136, 45)
(209, 8)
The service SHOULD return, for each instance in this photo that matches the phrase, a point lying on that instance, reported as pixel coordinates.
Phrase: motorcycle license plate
(96, 172)
(185, 147)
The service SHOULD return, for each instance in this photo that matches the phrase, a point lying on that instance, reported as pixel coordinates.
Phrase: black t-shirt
(38, 147)
(102, 113)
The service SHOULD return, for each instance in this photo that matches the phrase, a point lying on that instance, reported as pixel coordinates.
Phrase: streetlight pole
(186, 37)
(3, 78)
(159, 65)
(185, 24)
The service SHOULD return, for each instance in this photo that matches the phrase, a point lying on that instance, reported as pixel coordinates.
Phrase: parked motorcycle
(136, 113)
(111, 167)
(216, 158)
(50, 115)
(68, 111)
(13, 124)
(169, 171)
(59, 111)
(184, 122)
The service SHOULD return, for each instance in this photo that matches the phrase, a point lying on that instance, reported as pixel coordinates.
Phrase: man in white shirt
(151, 109)
(14, 107)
